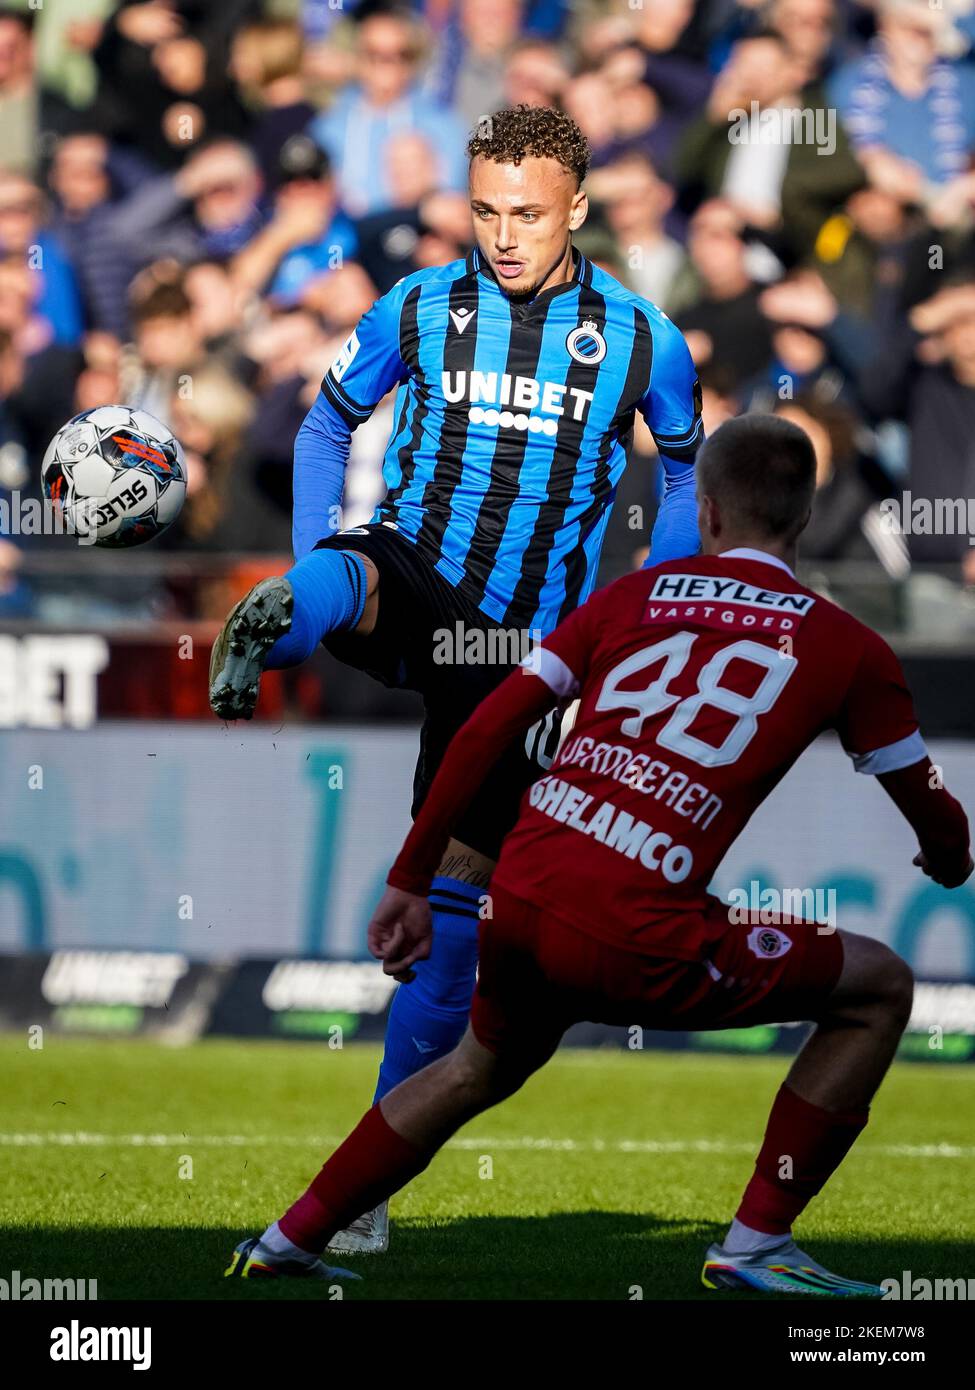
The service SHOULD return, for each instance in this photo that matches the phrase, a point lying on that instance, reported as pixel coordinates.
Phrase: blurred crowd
(199, 200)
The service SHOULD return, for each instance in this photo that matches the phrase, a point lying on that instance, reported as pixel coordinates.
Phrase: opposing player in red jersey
(701, 682)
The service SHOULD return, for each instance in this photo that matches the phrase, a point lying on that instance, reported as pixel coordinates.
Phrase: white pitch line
(85, 1139)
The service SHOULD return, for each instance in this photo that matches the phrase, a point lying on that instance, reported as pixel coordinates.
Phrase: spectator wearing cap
(385, 102)
(909, 108)
(308, 235)
(266, 62)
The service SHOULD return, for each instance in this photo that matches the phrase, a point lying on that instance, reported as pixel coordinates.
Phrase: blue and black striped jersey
(511, 422)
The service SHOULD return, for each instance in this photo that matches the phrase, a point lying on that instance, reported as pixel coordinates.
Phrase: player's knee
(897, 985)
(470, 1079)
(885, 984)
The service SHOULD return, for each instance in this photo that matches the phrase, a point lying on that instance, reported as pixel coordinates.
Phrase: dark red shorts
(538, 975)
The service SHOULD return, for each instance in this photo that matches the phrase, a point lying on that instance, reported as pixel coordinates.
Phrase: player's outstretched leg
(281, 622)
(426, 1020)
(819, 1111)
(392, 1143)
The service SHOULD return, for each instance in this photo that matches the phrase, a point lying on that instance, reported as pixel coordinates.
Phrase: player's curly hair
(509, 135)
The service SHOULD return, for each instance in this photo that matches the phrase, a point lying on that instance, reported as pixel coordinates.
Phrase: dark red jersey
(701, 682)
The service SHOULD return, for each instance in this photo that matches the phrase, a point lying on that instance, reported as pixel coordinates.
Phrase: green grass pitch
(141, 1166)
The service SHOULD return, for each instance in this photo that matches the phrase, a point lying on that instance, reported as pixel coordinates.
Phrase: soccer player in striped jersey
(520, 371)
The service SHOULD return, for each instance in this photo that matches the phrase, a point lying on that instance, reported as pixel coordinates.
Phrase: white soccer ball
(117, 475)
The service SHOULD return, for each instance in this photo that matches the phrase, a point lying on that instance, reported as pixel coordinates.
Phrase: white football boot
(368, 1234)
(783, 1269)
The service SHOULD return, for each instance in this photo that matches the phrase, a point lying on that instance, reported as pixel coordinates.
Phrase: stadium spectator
(81, 181)
(168, 344)
(474, 70)
(210, 207)
(266, 63)
(925, 375)
(637, 202)
(224, 509)
(164, 85)
(668, 41)
(843, 496)
(54, 287)
(400, 238)
(724, 324)
(909, 108)
(37, 378)
(340, 297)
(385, 101)
(808, 28)
(31, 115)
(589, 100)
(307, 236)
(535, 75)
(763, 135)
(99, 381)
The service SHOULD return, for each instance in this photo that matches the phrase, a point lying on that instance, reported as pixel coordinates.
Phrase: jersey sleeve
(877, 724)
(369, 363)
(671, 405)
(318, 478)
(672, 410)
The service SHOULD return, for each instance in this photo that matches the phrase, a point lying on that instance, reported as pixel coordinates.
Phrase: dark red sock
(815, 1141)
(368, 1167)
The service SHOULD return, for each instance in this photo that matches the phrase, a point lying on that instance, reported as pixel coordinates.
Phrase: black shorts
(422, 617)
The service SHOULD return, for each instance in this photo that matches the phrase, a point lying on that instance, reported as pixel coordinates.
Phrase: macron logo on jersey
(729, 604)
(462, 318)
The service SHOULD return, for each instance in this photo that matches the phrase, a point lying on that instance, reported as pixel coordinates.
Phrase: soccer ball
(117, 475)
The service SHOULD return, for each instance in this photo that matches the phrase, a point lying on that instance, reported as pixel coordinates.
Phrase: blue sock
(428, 1016)
(330, 593)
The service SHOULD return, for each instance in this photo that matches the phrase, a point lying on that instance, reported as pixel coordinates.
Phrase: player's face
(523, 214)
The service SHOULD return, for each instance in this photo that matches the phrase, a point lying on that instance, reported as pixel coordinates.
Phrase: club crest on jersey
(586, 344)
(767, 943)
